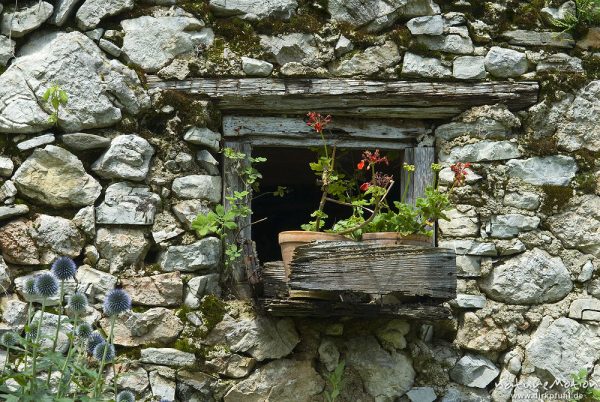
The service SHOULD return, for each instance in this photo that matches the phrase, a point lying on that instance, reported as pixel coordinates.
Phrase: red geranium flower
(318, 122)
(365, 186)
(361, 165)
(460, 172)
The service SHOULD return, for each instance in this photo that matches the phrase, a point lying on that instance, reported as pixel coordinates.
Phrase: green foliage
(587, 14)
(56, 97)
(317, 223)
(213, 311)
(335, 380)
(582, 388)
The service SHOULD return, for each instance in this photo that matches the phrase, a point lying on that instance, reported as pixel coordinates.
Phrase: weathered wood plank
(295, 127)
(376, 269)
(299, 95)
(273, 141)
(422, 177)
(397, 112)
(324, 308)
(274, 280)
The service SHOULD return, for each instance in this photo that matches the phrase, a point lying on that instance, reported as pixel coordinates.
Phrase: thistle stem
(6, 360)
(36, 346)
(108, 342)
(64, 367)
(60, 313)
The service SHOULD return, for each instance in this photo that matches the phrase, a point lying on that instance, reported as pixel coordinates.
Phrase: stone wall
(118, 182)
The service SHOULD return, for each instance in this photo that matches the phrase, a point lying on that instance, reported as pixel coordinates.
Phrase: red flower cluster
(460, 172)
(371, 158)
(365, 186)
(317, 121)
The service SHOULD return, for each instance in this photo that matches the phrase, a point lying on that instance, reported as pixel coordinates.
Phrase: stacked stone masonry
(118, 181)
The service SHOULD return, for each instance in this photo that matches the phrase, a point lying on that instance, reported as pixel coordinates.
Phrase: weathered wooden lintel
(423, 100)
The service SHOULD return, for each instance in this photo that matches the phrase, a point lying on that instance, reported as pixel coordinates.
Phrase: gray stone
(7, 190)
(459, 393)
(523, 200)
(369, 61)
(95, 34)
(64, 183)
(14, 312)
(468, 68)
(7, 50)
(18, 23)
(152, 43)
(343, 46)
(294, 47)
(207, 162)
(585, 309)
(468, 266)
(560, 62)
(95, 284)
(260, 337)
(127, 204)
(17, 244)
(392, 335)
(165, 227)
(62, 11)
(84, 141)
(48, 331)
(485, 122)
(162, 384)
(533, 277)
(461, 223)
(256, 68)
(457, 44)
(510, 225)
(167, 357)
(469, 247)
(35, 142)
(428, 25)
(122, 247)
(203, 255)
(428, 67)
(578, 226)
(376, 15)
(557, 170)
(230, 365)
(98, 89)
(474, 371)
(85, 220)
(551, 15)
(470, 301)
(539, 38)
(109, 47)
(6, 166)
(187, 210)
(92, 12)
(128, 157)
(12, 211)
(385, 376)
(4, 276)
(56, 236)
(157, 325)
(200, 286)
(587, 271)
(254, 9)
(563, 347)
(156, 290)
(421, 394)
(280, 380)
(198, 187)
(203, 136)
(329, 354)
(134, 379)
(504, 63)
(483, 151)
(577, 126)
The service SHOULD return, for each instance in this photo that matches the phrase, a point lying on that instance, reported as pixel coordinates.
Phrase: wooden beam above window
(353, 97)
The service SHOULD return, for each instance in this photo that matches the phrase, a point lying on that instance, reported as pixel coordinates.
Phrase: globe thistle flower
(99, 352)
(94, 340)
(78, 303)
(84, 330)
(9, 339)
(32, 330)
(117, 301)
(64, 268)
(46, 285)
(29, 287)
(125, 396)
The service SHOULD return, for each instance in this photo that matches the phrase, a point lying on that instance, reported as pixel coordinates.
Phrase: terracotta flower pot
(289, 240)
(393, 238)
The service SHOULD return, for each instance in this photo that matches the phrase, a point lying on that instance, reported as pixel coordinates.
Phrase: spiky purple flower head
(29, 287)
(94, 340)
(64, 268)
(125, 396)
(46, 285)
(78, 303)
(9, 339)
(117, 301)
(99, 352)
(83, 330)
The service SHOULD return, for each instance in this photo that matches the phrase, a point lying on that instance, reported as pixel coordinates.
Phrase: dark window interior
(289, 167)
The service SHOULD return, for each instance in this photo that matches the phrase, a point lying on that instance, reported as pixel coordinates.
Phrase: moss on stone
(200, 8)
(239, 35)
(556, 197)
(526, 15)
(553, 83)
(586, 159)
(187, 108)
(401, 36)
(586, 182)
(213, 311)
(310, 17)
(360, 38)
(542, 146)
